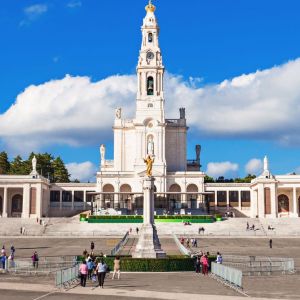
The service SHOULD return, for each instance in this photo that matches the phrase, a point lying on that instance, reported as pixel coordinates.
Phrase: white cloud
(71, 111)
(76, 111)
(226, 169)
(33, 12)
(84, 172)
(74, 4)
(254, 166)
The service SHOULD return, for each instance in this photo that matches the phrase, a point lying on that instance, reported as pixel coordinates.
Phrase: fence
(182, 249)
(45, 265)
(260, 265)
(230, 275)
(120, 244)
(66, 276)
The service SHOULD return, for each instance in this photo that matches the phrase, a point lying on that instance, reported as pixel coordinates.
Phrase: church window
(150, 37)
(150, 105)
(150, 86)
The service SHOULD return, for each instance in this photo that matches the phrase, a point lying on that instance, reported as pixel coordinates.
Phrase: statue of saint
(118, 113)
(150, 146)
(102, 153)
(34, 164)
(149, 162)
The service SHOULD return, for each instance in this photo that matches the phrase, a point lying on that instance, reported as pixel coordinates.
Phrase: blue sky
(214, 40)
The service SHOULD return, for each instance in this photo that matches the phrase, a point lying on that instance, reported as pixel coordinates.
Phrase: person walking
(90, 265)
(116, 267)
(204, 262)
(270, 243)
(83, 269)
(101, 270)
(219, 259)
(35, 260)
(198, 264)
(137, 230)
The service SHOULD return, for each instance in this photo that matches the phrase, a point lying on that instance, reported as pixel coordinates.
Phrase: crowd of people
(5, 258)
(203, 261)
(95, 268)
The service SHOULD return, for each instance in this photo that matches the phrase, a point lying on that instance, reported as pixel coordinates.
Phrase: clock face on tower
(150, 55)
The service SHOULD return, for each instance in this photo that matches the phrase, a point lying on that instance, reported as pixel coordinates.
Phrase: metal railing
(228, 274)
(120, 245)
(260, 265)
(181, 247)
(45, 265)
(67, 277)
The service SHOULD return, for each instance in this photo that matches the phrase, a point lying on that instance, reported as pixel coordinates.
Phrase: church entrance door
(17, 206)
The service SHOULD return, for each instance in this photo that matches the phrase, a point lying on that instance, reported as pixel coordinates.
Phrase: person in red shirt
(204, 262)
(83, 269)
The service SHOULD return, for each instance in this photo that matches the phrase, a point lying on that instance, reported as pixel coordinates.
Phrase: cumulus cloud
(33, 12)
(77, 111)
(84, 172)
(71, 111)
(226, 168)
(254, 166)
(74, 4)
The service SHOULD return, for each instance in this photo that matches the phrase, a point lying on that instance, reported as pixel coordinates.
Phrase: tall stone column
(73, 200)
(148, 211)
(26, 201)
(60, 200)
(5, 203)
(295, 208)
(227, 199)
(148, 245)
(84, 200)
(240, 199)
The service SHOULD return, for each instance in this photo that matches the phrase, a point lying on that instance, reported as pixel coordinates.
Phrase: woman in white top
(101, 271)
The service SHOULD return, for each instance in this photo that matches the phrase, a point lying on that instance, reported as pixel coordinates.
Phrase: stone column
(60, 199)
(227, 199)
(261, 201)
(148, 211)
(273, 196)
(240, 199)
(84, 199)
(26, 201)
(5, 204)
(253, 203)
(39, 199)
(216, 199)
(295, 210)
(73, 200)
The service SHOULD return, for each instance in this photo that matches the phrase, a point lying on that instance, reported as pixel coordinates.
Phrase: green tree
(60, 172)
(18, 166)
(4, 163)
(208, 179)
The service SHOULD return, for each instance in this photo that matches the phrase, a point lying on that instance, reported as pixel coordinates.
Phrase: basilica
(179, 182)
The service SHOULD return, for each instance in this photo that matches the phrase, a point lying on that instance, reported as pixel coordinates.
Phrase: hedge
(139, 219)
(169, 264)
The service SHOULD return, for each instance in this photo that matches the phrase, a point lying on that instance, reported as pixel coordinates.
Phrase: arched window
(283, 203)
(150, 86)
(150, 37)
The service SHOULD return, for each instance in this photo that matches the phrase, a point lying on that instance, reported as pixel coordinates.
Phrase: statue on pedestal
(102, 153)
(118, 113)
(149, 162)
(34, 171)
(150, 146)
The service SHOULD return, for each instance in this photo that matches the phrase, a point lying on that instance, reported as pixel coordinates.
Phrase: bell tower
(150, 71)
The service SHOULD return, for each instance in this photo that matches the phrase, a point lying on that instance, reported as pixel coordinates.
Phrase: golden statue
(149, 162)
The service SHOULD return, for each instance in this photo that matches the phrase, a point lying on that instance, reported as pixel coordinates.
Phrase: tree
(208, 179)
(4, 163)
(18, 166)
(60, 172)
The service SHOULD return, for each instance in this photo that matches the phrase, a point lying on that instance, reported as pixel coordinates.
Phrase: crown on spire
(150, 7)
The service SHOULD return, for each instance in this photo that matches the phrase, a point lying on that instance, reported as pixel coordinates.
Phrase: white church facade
(179, 183)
